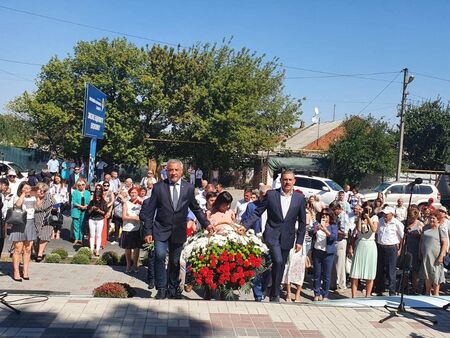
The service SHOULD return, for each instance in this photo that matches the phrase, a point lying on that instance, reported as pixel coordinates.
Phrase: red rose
(201, 257)
(241, 282)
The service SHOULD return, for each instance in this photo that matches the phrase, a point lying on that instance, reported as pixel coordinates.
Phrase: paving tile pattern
(97, 317)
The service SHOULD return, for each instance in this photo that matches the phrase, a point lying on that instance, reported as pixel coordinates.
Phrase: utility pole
(406, 80)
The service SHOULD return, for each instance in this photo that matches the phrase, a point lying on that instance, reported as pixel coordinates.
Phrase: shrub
(52, 258)
(85, 251)
(110, 257)
(100, 261)
(80, 259)
(110, 290)
(61, 252)
(114, 290)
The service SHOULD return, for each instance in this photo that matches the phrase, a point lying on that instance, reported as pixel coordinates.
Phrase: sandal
(38, 259)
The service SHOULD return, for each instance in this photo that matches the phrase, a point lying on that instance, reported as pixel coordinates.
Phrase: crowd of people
(348, 243)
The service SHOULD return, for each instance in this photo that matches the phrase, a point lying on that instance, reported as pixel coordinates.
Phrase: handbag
(17, 217)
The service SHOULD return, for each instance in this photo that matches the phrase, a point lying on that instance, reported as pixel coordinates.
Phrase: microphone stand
(3, 295)
(401, 310)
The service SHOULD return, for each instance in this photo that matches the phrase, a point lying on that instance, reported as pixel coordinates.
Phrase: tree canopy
(229, 103)
(367, 148)
(427, 135)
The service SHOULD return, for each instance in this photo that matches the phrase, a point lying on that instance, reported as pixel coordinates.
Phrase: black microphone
(418, 180)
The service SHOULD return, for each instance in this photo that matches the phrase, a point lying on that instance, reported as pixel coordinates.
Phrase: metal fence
(25, 157)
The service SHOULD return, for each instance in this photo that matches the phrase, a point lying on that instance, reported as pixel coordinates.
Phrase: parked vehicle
(313, 185)
(394, 190)
(8, 165)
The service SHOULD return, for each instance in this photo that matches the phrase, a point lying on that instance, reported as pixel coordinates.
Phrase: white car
(8, 165)
(394, 190)
(314, 185)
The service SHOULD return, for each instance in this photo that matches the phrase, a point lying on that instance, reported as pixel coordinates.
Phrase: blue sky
(344, 37)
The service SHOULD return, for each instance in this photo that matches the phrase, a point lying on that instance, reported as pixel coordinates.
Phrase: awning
(298, 164)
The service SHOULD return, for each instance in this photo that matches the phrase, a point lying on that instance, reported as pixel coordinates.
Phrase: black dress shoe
(161, 294)
(275, 299)
(17, 279)
(151, 285)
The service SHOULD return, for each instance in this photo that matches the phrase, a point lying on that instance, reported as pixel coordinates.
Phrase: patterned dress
(41, 214)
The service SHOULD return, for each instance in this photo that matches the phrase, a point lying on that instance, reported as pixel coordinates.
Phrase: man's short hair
(246, 190)
(4, 181)
(287, 171)
(174, 160)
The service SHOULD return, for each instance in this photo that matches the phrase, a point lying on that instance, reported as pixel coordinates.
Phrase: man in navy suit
(165, 218)
(284, 207)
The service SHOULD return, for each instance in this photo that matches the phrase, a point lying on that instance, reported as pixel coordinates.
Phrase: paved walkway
(97, 317)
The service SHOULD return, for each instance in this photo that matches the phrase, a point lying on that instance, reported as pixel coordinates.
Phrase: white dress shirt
(401, 213)
(390, 233)
(285, 202)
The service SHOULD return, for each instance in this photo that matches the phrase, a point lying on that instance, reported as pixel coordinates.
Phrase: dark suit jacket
(280, 231)
(161, 220)
(72, 182)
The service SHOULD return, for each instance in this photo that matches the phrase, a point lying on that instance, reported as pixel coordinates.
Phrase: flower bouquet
(227, 260)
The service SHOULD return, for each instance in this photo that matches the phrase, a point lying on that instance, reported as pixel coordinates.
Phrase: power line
(21, 62)
(15, 75)
(432, 77)
(88, 26)
(381, 92)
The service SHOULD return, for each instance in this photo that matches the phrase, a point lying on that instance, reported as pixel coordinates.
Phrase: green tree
(367, 148)
(12, 131)
(229, 104)
(427, 135)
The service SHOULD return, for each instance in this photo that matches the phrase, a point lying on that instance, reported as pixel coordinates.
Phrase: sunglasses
(106, 185)
(81, 185)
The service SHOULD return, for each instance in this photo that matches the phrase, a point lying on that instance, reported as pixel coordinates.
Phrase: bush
(110, 290)
(85, 251)
(63, 254)
(100, 261)
(52, 258)
(114, 290)
(80, 259)
(110, 257)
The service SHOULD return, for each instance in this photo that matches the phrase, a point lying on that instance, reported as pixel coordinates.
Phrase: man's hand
(298, 247)
(440, 260)
(210, 228)
(148, 239)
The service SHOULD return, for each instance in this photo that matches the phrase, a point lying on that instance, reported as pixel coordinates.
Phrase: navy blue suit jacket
(331, 241)
(160, 218)
(280, 231)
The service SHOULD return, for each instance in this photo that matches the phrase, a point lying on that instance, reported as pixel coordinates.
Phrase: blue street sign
(94, 112)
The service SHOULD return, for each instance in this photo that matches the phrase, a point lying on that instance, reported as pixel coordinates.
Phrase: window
(316, 184)
(425, 190)
(302, 182)
(3, 168)
(397, 189)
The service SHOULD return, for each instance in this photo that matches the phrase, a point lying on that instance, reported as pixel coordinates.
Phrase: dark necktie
(175, 196)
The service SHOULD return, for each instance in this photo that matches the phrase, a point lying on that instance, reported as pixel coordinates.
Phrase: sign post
(93, 121)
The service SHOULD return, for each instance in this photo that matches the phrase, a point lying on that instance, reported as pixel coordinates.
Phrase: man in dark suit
(284, 207)
(73, 177)
(165, 218)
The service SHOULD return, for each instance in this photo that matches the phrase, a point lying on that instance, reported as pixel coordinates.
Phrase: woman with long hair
(324, 249)
(364, 262)
(80, 201)
(97, 210)
(221, 213)
(23, 238)
(413, 233)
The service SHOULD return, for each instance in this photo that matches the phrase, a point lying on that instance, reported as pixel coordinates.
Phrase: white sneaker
(113, 243)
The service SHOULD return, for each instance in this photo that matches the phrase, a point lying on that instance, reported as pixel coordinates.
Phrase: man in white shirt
(241, 205)
(101, 165)
(201, 198)
(389, 241)
(114, 182)
(198, 178)
(13, 181)
(53, 165)
(150, 176)
(338, 273)
(400, 210)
